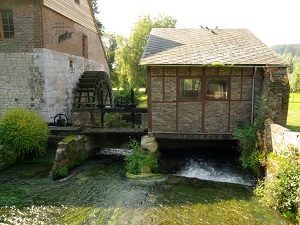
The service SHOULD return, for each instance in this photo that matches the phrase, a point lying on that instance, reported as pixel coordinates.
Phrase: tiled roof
(170, 46)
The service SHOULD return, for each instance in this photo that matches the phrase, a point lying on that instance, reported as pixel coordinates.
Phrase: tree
(295, 81)
(100, 26)
(130, 50)
(110, 41)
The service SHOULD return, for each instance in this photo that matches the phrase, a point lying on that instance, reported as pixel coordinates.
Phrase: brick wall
(276, 89)
(189, 115)
(55, 25)
(27, 26)
(164, 117)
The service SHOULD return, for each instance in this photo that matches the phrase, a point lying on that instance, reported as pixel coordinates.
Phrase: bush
(23, 134)
(250, 140)
(124, 97)
(115, 120)
(140, 158)
(283, 191)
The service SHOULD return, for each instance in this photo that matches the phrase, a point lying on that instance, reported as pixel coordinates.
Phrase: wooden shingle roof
(171, 46)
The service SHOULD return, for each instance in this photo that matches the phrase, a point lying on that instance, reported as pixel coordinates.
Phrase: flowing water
(201, 191)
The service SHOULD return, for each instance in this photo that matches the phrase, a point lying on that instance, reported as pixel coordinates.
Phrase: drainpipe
(253, 95)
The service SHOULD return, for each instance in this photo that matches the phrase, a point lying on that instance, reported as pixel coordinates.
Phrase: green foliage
(111, 45)
(140, 158)
(115, 120)
(283, 191)
(291, 53)
(63, 171)
(23, 134)
(130, 51)
(295, 80)
(94, 6)
(285, 49)
(250, 139)
(218, 64)
(124, 96)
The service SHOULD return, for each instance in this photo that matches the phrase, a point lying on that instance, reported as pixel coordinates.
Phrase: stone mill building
(201, 82)
(45, 45)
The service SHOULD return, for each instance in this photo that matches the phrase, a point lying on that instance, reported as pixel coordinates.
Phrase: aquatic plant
(140, 158)
(23, 133)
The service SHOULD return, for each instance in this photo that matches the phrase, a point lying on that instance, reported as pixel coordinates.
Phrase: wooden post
(102, 119)
(101, 98)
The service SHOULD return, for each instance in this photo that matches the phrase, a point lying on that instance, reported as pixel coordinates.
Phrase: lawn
(293, 120)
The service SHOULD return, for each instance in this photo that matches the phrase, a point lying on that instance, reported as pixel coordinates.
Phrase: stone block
(149, 143)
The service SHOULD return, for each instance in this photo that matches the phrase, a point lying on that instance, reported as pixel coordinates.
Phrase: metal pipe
(253, 95)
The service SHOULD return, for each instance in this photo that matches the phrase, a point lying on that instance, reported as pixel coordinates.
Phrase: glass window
(6, 24)
(216, 88)
(190, 87)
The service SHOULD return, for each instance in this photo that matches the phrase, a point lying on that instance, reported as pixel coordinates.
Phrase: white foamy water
(114, 151)
(214, 171)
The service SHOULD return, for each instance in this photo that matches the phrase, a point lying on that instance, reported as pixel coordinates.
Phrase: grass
(293, 119)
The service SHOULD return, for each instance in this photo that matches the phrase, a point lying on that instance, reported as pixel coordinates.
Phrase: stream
(198, 190)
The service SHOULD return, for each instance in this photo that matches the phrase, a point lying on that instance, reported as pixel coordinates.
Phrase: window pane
(4, 14)
(190, 87)
(4, 20)
(216, 88)
(5, 28)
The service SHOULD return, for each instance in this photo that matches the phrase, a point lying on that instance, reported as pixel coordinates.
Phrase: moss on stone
(68, 139)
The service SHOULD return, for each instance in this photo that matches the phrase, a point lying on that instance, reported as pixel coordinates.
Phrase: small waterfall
(114, 151)
(215, 171)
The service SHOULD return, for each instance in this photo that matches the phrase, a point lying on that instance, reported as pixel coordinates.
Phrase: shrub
(283, 191)
(23, 134)
(250, 139)
(124, 97)
(115, 120)
(140, 158)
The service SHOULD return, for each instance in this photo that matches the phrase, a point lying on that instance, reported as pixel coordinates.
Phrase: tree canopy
(129, 51)
(291, 53)
(100, 26)
(294, 50)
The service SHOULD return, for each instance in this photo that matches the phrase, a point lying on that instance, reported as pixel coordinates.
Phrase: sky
(273, 22)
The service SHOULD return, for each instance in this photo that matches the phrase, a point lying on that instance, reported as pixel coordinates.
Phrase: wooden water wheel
(93, 90)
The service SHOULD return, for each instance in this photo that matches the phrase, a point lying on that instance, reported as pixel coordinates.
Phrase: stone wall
(41, 81)
(278, 138)
(71, 152)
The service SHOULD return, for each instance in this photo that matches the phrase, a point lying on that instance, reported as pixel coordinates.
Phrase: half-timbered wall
(224, 96)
